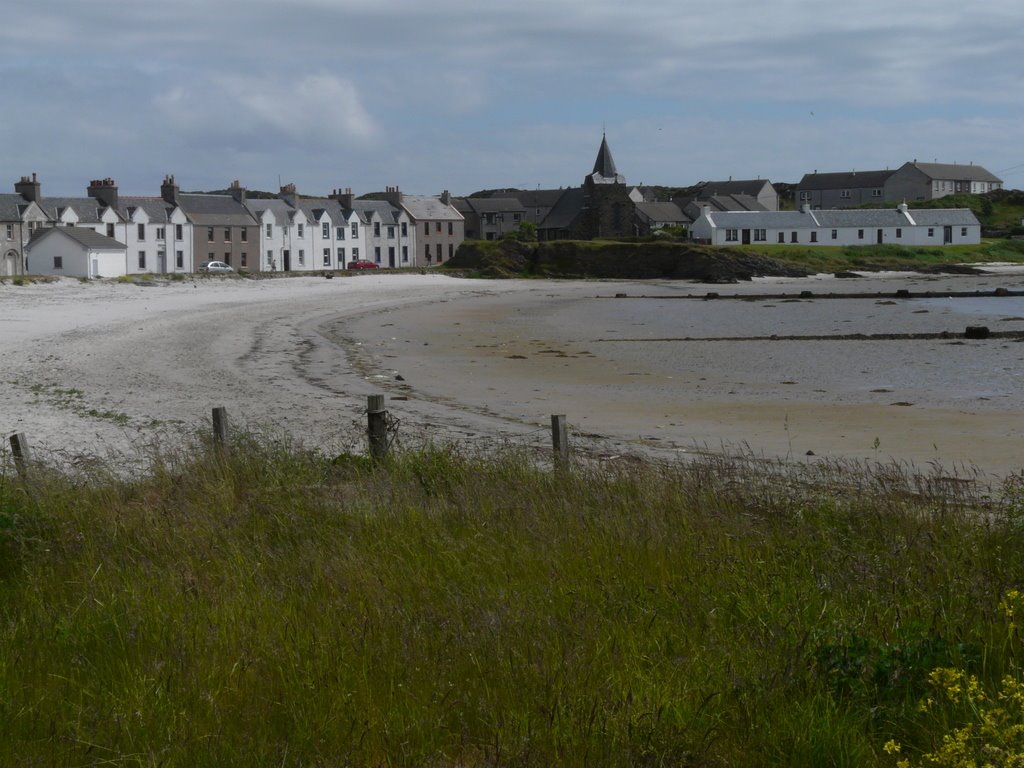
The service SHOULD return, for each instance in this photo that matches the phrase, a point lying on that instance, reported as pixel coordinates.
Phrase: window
(876, 193)
(270, 258)
(517, 216)
(110, 230)
(10, 231)
(731, 235)
(245, 235)
(835, 234)
(341, 257)
(355, 252)
(179, 259)
(405, 253)
(209, 257)
(341, 233)
(270, 230)
(792, 237)
(302, 255)
(805, 195)
(243, 259)
(426, 251)
(437, 227)
(451, 250)
(325, 231)
(376, 254)
(860, 234)
(391, 232)
(58, 262)
(140, 231)
(227, 234)
(814, 237)
(426, 227)
(782, 237)
(302, 232)
(178, 232)
(376, 229)
(161, 233)
(931, 231)
(327, 257)
(760, 235)
(899, 232)
(845, 194)
(451, 227)
(227, 259)
(405, 229)
(209, 234)
(963, 231)
(142, 259)
(355, 231)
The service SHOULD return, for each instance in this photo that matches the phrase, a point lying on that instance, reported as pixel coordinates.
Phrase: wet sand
(657, 372)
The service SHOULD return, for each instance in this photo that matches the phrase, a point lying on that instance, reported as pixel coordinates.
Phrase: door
(391, 257)
(746, 237)
(947, 235)
(10, 265)
(286, 256)
(95, 267)
(879, 237)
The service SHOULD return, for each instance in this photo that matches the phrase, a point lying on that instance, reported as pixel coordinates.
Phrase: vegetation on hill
(273, 607)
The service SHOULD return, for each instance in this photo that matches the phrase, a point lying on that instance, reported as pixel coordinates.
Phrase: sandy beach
(95, 368)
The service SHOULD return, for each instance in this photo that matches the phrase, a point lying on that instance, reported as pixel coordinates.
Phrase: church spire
(604, 167)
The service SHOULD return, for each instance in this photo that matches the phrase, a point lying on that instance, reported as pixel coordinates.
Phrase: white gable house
(75, 252)
(889, 226)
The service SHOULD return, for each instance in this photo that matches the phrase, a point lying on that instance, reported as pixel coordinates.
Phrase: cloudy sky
(471, 94)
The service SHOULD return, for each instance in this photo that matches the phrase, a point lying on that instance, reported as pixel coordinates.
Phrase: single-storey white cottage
(856, 226)
(75, 252)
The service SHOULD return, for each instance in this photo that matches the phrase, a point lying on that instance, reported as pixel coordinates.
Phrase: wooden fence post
(220, 427)
(560, 440)
(377, 426)
(22, 454)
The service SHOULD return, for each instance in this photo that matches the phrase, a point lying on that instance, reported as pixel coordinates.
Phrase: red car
(363, 264)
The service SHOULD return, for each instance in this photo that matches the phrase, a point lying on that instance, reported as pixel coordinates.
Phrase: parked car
(363, 264)
(216, 266)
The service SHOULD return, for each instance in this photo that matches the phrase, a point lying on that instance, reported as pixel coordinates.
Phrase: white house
(873, 226)
(75, 252)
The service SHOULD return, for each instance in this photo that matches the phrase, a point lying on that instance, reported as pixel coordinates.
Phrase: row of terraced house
(105, 234)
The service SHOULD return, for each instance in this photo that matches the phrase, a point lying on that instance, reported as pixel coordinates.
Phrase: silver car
(216, 266)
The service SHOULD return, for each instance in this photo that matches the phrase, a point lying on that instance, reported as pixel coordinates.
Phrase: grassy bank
(280, 609)
(887, 257)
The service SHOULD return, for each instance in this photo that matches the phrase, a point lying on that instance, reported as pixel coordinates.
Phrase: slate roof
(489, 204)
(604, 165)
(87, 238)
(388, 213)
(762, 219)
(316, 207)
(281, 211)
(428, 208)
(215, 210)
(955, 172)
(12, 207)
(749, 187)
(87, 208)
(845, 180)
(861, 217)
(538, 198)
(666, 212)
(944, 217)
(565, 211)
(155, 207)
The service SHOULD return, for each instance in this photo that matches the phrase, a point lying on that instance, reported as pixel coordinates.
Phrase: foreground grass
(278, 609)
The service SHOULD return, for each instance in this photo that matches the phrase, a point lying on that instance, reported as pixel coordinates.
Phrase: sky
(472, 94)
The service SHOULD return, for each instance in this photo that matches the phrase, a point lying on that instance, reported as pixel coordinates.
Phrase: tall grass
(273, 607)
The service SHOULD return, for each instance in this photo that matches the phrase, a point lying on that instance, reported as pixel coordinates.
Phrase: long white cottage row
(858, 226)
(107, 235)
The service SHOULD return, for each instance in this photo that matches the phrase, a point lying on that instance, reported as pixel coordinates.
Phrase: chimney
(169, 190)
(104, 190)
(289, 195)
(446, 198)
(345, 197)
(237, 192)
(394, 196)
(28, 188)
(805, 208)
(903, 207)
